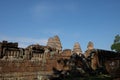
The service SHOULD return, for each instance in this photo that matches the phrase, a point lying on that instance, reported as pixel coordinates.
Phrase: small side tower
(77, 48)
(90, 45)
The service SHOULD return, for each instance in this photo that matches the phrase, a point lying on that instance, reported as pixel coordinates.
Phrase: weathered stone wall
(30, 69)
(35, 61)
(25, 70)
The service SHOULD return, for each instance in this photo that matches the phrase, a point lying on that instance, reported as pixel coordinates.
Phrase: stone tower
(50, 42)
(55, 42)
(90, 45)
(77, 48)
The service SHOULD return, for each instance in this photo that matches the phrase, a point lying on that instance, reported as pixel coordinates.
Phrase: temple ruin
(37, 61)
(77, 48)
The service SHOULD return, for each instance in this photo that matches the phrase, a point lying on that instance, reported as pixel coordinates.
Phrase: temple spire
(77, 48)
(55, 42)
(90, 45)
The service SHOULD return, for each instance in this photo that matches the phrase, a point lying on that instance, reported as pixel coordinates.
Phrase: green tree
(116, 44)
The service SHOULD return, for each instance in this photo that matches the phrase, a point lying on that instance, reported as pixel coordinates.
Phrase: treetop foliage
(116, 44)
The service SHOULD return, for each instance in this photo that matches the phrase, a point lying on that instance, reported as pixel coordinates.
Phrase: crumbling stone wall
(25, 69)
(29, 63)
(36, 60)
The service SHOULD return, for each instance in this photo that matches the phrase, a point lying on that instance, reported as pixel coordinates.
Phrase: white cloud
(23, 41)
(48, 8)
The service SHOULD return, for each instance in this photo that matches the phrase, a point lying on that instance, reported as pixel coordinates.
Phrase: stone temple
(77, 48)
(90, 45)
(55, 42)
(37, 61)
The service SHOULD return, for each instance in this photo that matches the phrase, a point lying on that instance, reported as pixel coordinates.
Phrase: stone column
(27, 55)
(9, 55)
(17, 54)
(12, 53)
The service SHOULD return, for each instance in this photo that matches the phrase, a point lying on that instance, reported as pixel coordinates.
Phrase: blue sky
(34, 21)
